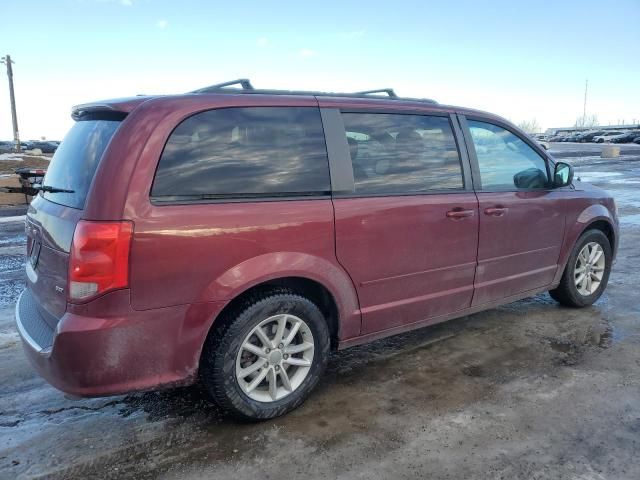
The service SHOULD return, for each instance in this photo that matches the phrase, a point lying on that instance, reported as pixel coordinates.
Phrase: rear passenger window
(244, 152)
(397, 153)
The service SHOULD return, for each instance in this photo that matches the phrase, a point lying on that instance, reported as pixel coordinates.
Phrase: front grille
(32, 323)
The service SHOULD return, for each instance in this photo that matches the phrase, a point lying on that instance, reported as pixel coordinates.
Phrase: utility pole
(584, 108)
(14, 117)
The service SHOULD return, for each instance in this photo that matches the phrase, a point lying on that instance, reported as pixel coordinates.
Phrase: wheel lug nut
(277, 368)
(280, 345)
(285, 356)
(267, 350)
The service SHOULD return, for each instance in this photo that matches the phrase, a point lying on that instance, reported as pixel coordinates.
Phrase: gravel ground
(10, 161)
(530, 390)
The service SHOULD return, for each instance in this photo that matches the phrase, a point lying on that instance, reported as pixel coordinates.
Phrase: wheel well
(314, 291)
(604, 227)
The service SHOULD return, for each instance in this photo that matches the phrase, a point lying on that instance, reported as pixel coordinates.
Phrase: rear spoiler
(114, 109)
(89, 111)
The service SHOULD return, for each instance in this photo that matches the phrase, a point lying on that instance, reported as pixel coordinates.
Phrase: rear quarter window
(244, 152)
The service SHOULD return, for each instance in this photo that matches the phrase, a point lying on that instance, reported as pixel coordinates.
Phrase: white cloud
(306, 53)
(126, 3)
(161, 24)
(262, 42)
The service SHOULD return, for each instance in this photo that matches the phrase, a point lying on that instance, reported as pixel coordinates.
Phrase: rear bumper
(32, 327)
(92, 356)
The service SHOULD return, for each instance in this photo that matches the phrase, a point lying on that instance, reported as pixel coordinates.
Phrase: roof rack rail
(247, 88)
(243, 82)
(388, 91)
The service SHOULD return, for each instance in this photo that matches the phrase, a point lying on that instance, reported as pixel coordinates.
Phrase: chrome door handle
(455, 213)
(496, 211)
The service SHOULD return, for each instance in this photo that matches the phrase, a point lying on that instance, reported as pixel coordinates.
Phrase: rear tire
(587, 271)
(267, 356)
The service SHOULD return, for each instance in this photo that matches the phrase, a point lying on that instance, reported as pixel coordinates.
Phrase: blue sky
(520, 60)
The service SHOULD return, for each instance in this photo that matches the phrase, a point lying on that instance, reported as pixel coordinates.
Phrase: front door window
(506, 162)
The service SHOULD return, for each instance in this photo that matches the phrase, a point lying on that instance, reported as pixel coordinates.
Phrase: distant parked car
(606, 137)
(572, 138)
(625, 137)
(636, 140)
(588, 136)
(6, 147)
(44, 146)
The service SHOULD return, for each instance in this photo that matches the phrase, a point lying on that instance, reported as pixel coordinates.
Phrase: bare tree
(529, 126)
(586, 121)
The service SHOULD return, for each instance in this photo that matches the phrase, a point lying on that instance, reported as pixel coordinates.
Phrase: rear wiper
(50, 189)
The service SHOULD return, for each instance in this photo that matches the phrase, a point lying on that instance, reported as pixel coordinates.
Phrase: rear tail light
(99, 260)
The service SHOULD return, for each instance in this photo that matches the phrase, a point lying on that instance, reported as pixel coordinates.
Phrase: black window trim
(236, 198)
(286, 197)
(473, 157)
(342, 157)
(340, 168)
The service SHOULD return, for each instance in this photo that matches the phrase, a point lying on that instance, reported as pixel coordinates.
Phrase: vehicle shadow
(177, 402)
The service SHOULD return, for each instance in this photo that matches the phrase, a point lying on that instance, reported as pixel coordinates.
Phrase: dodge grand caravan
(235, 236)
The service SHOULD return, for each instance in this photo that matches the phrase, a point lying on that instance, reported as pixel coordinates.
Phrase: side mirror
(562, 175)
(530, 178)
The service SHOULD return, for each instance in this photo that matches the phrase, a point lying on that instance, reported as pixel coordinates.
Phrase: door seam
(335, 253)
(475, 193)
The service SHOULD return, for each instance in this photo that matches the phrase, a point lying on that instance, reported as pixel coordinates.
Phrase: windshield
(75, 162)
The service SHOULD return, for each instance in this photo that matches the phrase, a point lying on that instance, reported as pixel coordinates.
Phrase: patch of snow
(8, 338)
(11, 156)
(630, 219)
(36, 152)
(593, 177)
(19, 218)
(624, 181)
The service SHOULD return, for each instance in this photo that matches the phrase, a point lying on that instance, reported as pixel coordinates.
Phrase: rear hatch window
(75, 162)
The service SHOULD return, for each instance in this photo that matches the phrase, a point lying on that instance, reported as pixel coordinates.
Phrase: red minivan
(236, 236)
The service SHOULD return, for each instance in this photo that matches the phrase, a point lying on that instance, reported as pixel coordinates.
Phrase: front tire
(267, 356)
(587, 271)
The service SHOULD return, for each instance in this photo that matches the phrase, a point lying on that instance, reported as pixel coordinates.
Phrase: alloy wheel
(589, 268)
(275, 358)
